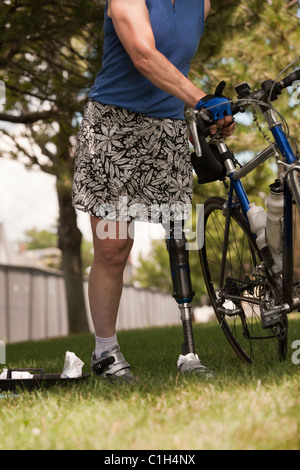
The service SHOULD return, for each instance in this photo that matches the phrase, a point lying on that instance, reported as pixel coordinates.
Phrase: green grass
(245, 407)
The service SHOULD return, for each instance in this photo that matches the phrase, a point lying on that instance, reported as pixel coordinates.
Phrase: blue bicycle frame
(237, 186)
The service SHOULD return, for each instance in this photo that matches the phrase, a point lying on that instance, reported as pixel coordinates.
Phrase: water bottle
(257, 218)
(274, 225)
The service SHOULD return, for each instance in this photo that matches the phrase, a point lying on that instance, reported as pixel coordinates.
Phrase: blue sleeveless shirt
(177, 30)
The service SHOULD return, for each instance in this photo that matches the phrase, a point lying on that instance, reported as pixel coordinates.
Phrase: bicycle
(247, 254)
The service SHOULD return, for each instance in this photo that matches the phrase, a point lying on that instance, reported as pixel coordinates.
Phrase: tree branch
(292, 3)
(28, 118)
(31, 157)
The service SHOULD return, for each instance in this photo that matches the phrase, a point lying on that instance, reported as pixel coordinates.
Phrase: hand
(219, 109)
(218, 106)
(227, 126)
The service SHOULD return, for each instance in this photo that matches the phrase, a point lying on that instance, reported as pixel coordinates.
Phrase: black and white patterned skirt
(132, 167)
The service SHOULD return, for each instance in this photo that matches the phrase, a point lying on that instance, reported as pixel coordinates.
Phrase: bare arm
(132, 24)
(206, 8)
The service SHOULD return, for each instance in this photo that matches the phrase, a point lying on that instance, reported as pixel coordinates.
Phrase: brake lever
(217, 137)
(191, 120)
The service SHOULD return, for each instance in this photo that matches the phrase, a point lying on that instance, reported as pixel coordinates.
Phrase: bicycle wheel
(237, 288)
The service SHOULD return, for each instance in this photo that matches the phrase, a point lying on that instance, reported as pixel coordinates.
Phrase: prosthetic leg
(182, 285)
(183, 294)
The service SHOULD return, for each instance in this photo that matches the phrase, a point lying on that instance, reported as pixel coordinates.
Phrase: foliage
(261, 39)
(154, 269)
(37, 239)
(50, 52)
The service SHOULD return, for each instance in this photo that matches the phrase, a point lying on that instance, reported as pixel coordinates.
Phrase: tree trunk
(70, 244)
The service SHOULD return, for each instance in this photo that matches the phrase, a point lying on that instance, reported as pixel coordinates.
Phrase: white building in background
(31, 258)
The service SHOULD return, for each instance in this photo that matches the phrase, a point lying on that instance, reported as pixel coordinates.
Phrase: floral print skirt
(132, 167)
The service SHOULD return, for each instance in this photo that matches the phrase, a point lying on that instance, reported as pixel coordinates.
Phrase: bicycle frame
(237, 187)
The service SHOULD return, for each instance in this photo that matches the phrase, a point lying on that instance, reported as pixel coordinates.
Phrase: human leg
(106, 277)
(105, 289)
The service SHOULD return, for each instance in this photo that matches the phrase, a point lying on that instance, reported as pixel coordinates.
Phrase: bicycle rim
(236, 299)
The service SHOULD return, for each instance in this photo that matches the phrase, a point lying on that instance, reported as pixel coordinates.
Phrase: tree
(50, 52)
(154, 269)
(36, 239)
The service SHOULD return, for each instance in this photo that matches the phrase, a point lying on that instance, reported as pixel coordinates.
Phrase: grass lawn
(244, 408)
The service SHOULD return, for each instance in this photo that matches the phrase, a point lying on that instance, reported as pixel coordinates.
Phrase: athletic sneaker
(192, 364)
(112, 365)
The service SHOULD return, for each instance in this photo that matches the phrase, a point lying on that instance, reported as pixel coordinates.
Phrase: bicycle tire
(239, 269)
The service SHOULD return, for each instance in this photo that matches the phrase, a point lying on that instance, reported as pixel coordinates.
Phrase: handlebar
(269, 91)
(200, 121)
(289, 80)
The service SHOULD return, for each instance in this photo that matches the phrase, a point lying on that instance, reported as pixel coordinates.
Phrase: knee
(110, 255)
(112, 250)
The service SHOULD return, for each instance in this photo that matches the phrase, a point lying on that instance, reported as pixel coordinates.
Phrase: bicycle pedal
(272, 318)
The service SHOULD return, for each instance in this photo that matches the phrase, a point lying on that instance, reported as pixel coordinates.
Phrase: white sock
(104, 344)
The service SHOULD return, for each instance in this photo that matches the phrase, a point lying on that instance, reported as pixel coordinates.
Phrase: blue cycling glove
(218, 106)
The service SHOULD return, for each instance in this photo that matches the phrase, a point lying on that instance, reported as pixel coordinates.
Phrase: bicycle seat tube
(235, 184)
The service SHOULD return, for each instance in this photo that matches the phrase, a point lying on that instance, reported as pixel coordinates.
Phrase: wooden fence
(33, 306)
